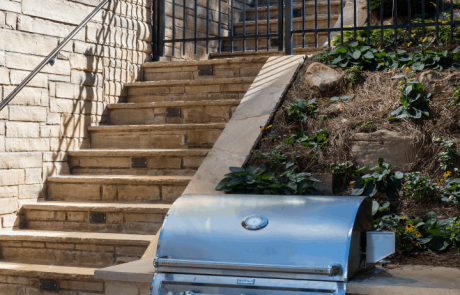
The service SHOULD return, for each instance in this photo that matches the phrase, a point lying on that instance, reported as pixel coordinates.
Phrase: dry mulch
(376, 95)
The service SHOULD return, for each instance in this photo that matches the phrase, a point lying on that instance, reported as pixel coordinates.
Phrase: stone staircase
(297, 25)
(119, 191)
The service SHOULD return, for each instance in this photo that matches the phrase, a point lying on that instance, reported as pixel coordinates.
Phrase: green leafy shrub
(264, 181)
(352, 75)
(383, 180)
(344, 172)
(419, 187)
(301, 109)
(275, 159)
(323, 56)
(451, 191)
(319, 139)
(414, 103)
(456, 96)
(449, 155)
(368, 124)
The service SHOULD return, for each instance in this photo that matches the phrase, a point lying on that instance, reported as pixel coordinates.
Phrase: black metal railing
(283, 39)
(50, 59)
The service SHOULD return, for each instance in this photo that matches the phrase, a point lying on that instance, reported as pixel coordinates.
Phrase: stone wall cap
(140, 271)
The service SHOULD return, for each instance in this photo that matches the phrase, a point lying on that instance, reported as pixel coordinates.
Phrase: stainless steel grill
(264, 245)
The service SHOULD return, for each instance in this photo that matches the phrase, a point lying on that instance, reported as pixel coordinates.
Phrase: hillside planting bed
(411, 93)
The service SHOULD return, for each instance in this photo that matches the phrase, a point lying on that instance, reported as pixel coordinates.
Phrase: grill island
(263, 245)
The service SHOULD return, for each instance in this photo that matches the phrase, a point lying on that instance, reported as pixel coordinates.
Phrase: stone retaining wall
(50, 116)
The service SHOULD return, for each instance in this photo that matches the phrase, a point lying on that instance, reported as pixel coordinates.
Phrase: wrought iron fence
(217, 25)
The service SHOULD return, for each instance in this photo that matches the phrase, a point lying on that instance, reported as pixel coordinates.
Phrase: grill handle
(332, 270)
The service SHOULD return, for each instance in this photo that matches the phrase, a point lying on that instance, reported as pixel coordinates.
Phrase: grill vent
(138, 162)
(97, 217)
(48, 285)
(205, 71)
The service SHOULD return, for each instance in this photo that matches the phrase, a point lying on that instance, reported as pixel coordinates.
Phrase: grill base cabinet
(264, 245)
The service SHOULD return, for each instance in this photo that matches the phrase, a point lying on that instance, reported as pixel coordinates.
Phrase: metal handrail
(52, 56)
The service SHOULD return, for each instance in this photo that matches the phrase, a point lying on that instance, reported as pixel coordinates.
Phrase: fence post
(280, 25)
(158, 22)
(288, 28)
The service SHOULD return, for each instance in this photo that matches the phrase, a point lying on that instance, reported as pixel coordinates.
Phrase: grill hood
(305, 237)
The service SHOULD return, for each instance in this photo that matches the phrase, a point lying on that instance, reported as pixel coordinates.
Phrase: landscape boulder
(323, 78)
(435, 82)
(394, 147)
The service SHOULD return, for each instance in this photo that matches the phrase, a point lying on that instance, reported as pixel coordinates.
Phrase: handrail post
(288, 28)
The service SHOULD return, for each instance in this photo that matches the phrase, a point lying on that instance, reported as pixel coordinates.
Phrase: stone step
(309, 10)
(183, 162)
(24, 278)
(144, 219)
(72, 248)
(262, 45)
(297, 24)
(116, 188)
(172, 112)
(172, 136)
(203, 69)
(183, 90)
(273, 52)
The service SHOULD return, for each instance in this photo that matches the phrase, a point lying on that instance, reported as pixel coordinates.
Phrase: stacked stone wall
(51, 115)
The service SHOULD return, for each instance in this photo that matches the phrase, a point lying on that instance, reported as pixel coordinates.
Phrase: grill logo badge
(246, 281)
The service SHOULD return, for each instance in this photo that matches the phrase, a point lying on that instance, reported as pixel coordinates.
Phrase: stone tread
(200, 82)
(273, 52)
(169, 64)
(153, 128)
(50, 271)
(140, 153)
(122, 179)
(77, 237)
(101, 207)
(294, 6)
(250, 23)
(165, 104)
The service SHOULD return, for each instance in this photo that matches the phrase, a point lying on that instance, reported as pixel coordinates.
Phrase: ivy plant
(449, 154)
(451, 191)
(319, 139)
(414, 103)
(383, 180)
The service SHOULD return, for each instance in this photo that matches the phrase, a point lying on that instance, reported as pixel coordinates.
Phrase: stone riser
(186, 115)
(181, 93)
(146, 193)
(167, 165)
(309, 10)
(117, 222)
(297, 25)
(175, 139)
(213, 96)
(18, 279)
(239, 70)
(70, 254)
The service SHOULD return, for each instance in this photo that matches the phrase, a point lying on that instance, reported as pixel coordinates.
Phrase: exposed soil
(376, 95)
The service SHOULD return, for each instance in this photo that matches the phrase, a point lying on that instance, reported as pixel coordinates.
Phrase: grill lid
(300, 237)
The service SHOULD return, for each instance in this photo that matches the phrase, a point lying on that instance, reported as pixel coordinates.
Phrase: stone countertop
(406, 280)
